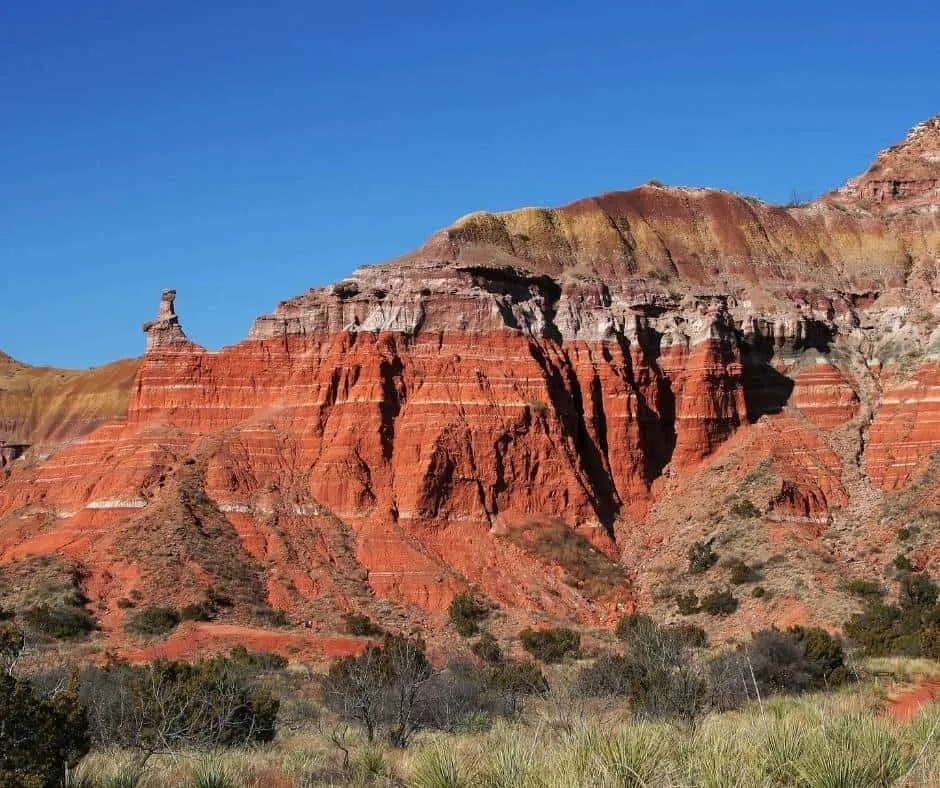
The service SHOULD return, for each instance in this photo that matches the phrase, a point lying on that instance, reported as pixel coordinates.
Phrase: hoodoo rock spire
(165, 328)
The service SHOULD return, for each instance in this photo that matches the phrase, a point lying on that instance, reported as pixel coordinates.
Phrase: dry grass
(585, 567)
(815, 741)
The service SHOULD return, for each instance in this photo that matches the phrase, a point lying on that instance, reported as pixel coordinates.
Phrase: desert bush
(393, 687)
(628, 622)
(361, 625)
(517, 678)
(552, 644)
(719, 602)
(39, 736)
(774, 662)
(610, 675)
(487, 649)
(384, 684)
(758, 592)
(863, 588)
(742, 573)
(663, 673)
(690, 634)
(701, 557)
(12, 643)
(62, 622)
(153, 620)
(688, 603)
(257, 660)
(466, 613)
(902, 564)
(163, 705)
(745, 509)
(911, 627)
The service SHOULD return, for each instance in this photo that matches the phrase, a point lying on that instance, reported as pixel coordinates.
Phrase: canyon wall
(378, 444)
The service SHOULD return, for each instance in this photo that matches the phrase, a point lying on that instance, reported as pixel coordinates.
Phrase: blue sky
(243, 152)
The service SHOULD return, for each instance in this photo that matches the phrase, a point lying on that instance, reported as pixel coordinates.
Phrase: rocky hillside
(44, 407)
(547, 405)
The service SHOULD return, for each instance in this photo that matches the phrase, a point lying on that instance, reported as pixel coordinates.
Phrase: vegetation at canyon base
(663, 706)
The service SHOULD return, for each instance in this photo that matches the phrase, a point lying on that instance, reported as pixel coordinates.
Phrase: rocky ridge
(630, 365)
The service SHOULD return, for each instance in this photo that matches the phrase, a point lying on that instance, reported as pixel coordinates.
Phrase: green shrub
(688, 604)
(758, 592)
(719, 602)
(909, 628)
(863, 588)
(741, 573)
(259, 660)
(361, 625)
(153, 620)
(552, 644)
(801, 659)
(487, 649)
(197, 611)
(466, 613)
(63, 622)
(701, 557)
(270, 617)
(610, 675)
(39, 737)
(904, 534)
(165, 704)
(517, 677)
(917, 592)
(745, 509)
(902, 563)
(690, 634)
(124, 603)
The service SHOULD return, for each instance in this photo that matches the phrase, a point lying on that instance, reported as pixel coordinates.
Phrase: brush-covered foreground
(837, 739)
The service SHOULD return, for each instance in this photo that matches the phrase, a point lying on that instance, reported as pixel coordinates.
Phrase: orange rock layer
(368, 445)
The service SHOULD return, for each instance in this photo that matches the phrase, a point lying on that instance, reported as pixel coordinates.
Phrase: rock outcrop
(372, 443)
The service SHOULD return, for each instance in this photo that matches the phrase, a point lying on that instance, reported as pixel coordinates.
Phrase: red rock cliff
(384, 438)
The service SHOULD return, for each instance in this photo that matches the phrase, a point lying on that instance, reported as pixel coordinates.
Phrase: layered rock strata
(376, 439)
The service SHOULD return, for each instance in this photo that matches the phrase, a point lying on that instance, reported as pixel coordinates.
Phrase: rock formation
(629, 365)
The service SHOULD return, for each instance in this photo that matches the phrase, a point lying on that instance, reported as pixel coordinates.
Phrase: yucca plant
(634, 757)
(439, 767)
(373, 761)
(855, 751)
(513, 764)
(211, 772)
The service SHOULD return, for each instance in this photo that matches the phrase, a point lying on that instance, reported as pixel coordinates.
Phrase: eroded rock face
(379, 438)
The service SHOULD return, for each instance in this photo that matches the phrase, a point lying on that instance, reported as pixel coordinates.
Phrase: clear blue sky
(242, 152)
